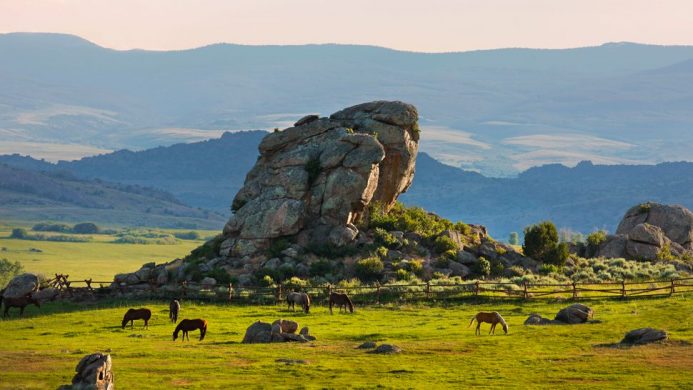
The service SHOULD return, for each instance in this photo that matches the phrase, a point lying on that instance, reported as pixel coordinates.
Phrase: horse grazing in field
(137, 314)
(188, 325)
(302, 299)
(341, 300)
(20, 302)
(492, 318)
(173, 310)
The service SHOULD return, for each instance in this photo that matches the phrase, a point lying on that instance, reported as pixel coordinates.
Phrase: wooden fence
(374, 294)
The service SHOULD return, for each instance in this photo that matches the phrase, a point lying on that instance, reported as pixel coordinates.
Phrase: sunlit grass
(439, 350)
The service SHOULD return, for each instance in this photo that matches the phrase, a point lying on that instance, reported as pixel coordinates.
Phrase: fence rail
(377, 293)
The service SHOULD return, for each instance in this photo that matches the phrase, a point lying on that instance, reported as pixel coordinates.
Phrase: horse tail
(472, 321)
(203, 330)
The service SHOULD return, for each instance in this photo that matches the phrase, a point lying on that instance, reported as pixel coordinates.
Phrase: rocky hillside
(322, 201)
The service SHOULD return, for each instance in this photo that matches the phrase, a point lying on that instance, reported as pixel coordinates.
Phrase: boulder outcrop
(314, 181)
(650, 231)
(644, 336)
(576, 313)
(277, 332)
(93, 372)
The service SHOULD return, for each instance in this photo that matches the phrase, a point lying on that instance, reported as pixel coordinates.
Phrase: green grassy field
(100, 259)
(41, 351)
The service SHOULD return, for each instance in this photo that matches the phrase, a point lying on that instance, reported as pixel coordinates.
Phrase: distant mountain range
(584, 198)
(498, 112)
(34, 195)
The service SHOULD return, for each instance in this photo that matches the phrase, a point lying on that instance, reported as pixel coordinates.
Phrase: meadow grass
(41, 350)
(99, 259)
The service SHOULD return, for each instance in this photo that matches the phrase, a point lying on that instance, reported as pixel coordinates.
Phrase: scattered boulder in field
(386, 349)
(22, 285)
(644, 336)
(291, 361)
(367, 345)
(287, 326)
(259, 332)
(576, 313)
(536, 319)
(93, 373)
(279, 331)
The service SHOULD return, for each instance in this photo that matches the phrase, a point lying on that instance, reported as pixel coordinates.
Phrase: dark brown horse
(188, 325)
(20, 302)
(341, 300)
(302, 299)
(173, 310)
(137, 314)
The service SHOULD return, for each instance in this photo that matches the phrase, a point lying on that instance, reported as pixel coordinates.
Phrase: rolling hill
(208, 174)
(498, 112)
(31, 195)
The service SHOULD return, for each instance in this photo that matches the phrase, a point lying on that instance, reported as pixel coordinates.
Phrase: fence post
(623, 288)
(476, 288)
(278, 294)
(428, 289)
(230, 291)
(673, 286)
(574, 290)
(377, 292)
(184, 288)
(525, 290)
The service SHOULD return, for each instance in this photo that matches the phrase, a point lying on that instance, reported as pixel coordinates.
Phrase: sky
(426, 26)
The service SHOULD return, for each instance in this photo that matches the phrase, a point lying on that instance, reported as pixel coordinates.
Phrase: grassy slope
(99, 259)
(440, 351)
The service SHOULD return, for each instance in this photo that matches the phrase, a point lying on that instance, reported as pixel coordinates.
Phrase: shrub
(321, 267)
(558, 255)
(208, 250)
(9, 270)
(267, 281)
(295, 283)
(497, 267)
(381, 252)
(85, 228)
(443, 244)
(451, 254)
(403, 274)
(19, 233)
(665, 253)
(415, 267)
(482, 268)
(383, 237)
(331, 251)
(442, 262)
(369, 269)
(463, 228)
(514, 239)
(546, 269)
(411, 219)
(191, 235)
(52, 227)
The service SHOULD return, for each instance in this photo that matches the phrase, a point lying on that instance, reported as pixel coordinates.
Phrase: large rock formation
(314, 181)
(649, 231)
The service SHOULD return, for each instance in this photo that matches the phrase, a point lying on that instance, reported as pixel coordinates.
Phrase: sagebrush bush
(443, 244)
(369, 269)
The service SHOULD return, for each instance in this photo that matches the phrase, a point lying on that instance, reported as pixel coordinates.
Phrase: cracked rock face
(315, 180)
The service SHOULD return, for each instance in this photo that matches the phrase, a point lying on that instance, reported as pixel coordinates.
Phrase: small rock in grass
(644, 336)
(291, 361)
(367, 345)
(387, 349)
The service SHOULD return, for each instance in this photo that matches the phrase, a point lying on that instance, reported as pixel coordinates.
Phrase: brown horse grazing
(173, 310)
(492, 318)
(341, 300)
(302, 299)
(188, 325)
(20, 302)
(137, 314)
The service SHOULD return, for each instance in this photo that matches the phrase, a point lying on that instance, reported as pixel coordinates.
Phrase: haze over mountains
(498, 111)
(208, 174)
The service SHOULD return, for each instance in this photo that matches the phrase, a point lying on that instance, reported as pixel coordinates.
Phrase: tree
(541, 243)
(19, 233)
(514, 239)
(85, 228)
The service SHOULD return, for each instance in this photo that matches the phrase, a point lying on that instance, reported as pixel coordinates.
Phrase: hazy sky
(426, 25)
